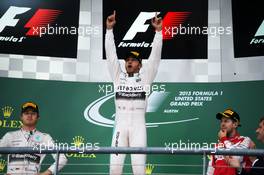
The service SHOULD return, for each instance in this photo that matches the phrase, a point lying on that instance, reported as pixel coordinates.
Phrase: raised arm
(110, 48)
(155, 55)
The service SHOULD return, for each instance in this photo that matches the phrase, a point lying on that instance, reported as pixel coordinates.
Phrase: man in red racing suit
(229, 138)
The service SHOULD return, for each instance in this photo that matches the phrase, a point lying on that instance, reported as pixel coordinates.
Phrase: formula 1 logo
(42, 18)
(8, 19)
(259, 33)
(139, 25)
(185, 24)
(248, 41)
(39, 27)
(171, 21)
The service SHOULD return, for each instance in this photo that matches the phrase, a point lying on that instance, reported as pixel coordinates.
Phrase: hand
(232, 161)
(157, 23)
(47, 172)
(221, 134)
(252, 145)
(110, 21)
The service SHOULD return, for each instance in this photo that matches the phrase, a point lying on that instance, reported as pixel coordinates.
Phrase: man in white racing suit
(28, 136)
(130, 96)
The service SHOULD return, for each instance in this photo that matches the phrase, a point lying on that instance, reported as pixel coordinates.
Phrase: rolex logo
(7, 111)
(78, 141)
(2, 165)
(149, 169)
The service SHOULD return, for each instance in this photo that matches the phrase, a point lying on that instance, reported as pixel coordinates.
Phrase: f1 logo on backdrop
(8, 19)
(22, 24)
(133, 30)
(139, 25)
(260, 31)
(259, 35)
(248, 36)
(170, 21)
(42, 18)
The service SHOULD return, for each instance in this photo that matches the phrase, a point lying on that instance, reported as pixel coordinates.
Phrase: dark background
(246, 21)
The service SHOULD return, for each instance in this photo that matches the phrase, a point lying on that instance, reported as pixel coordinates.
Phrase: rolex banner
(179, 115)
